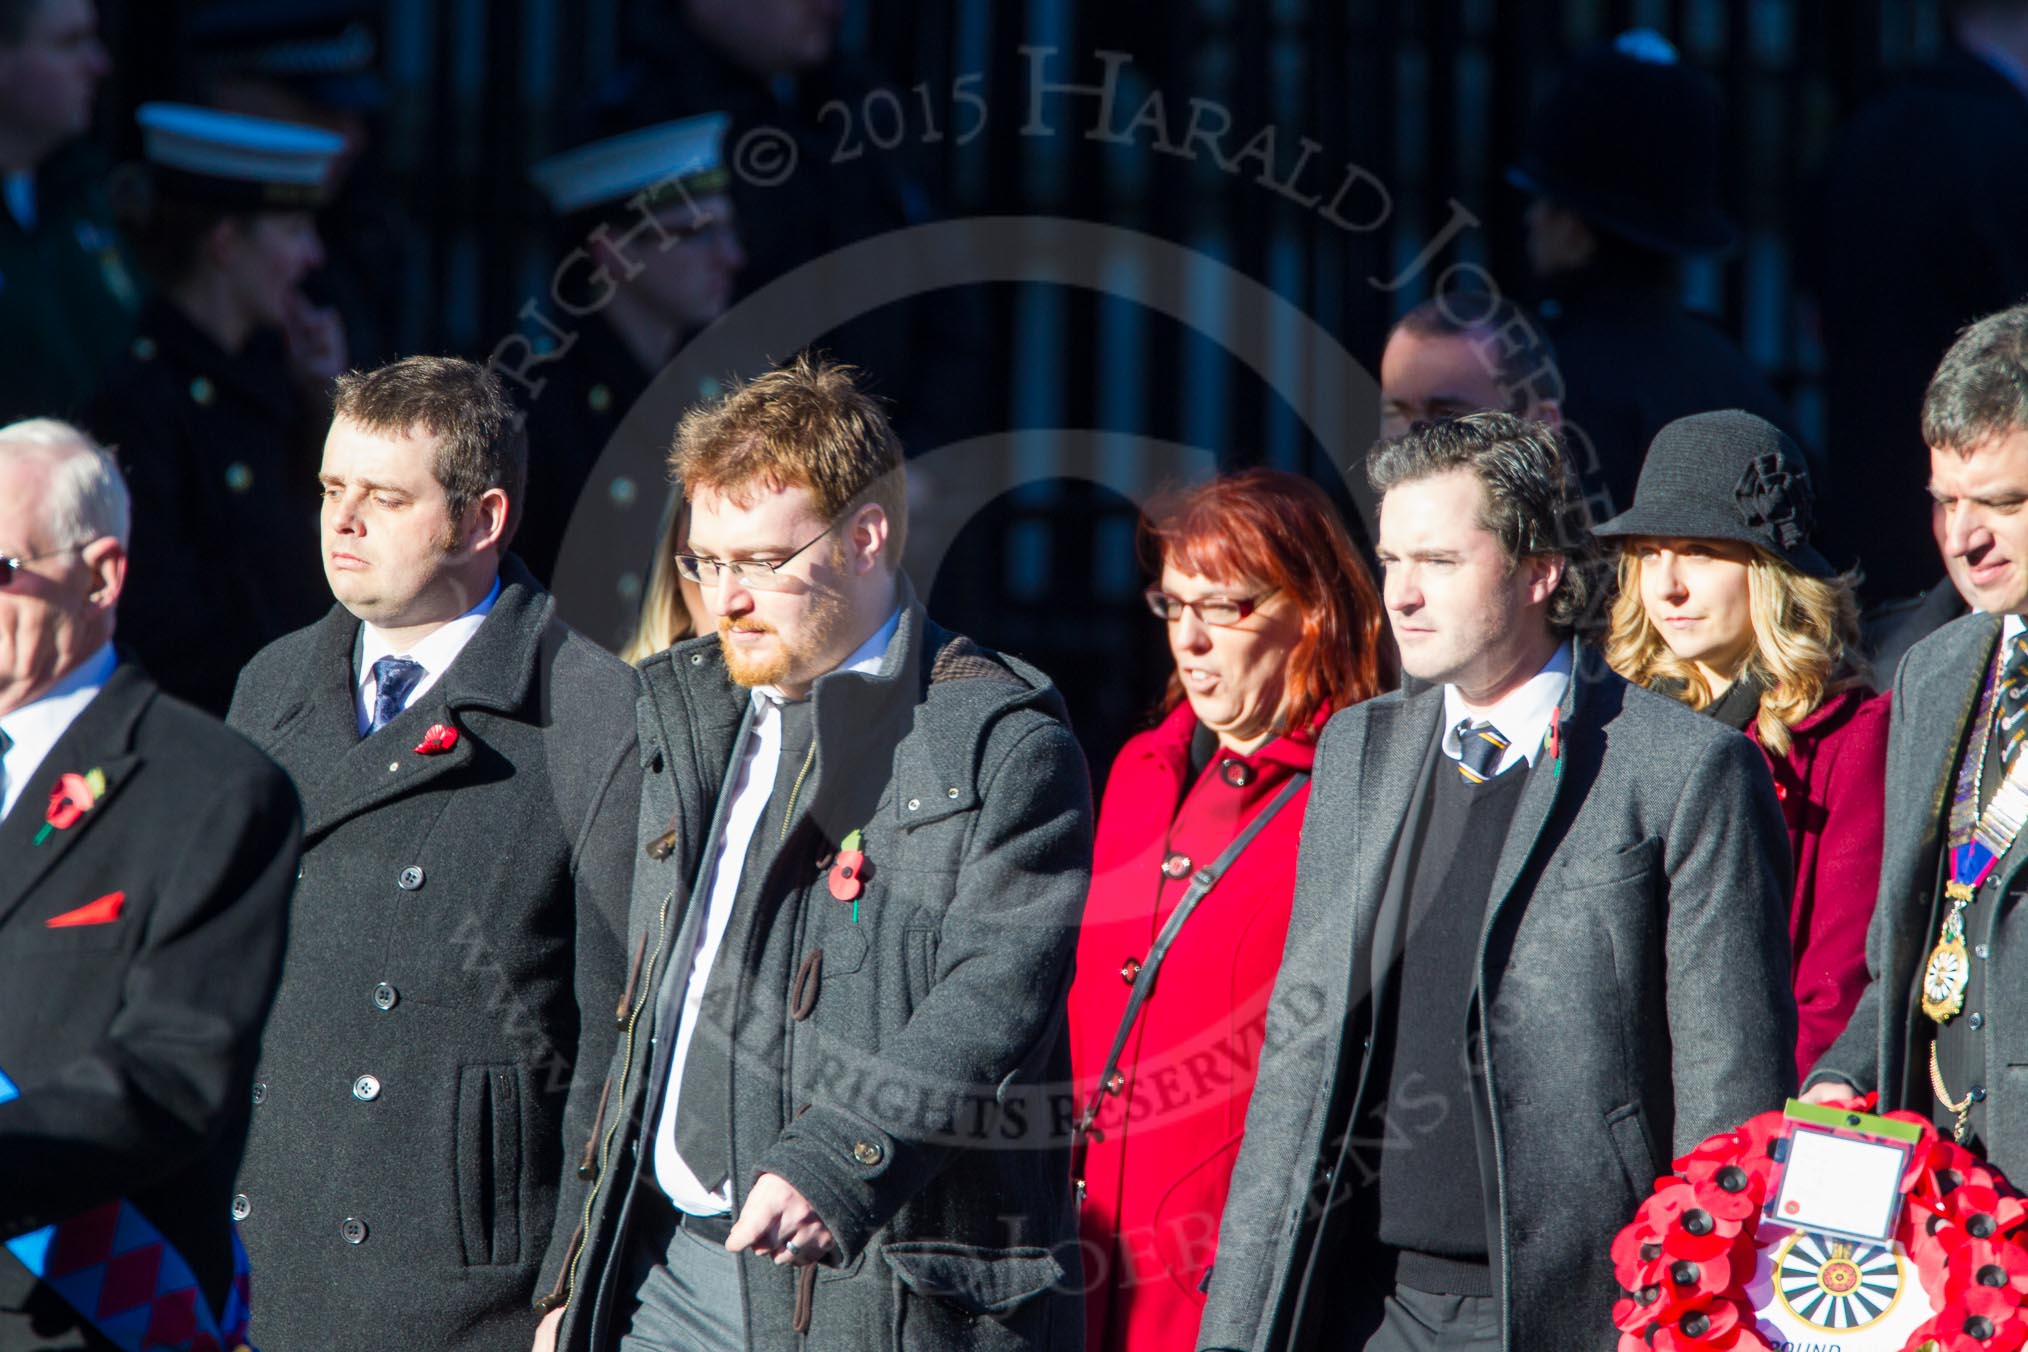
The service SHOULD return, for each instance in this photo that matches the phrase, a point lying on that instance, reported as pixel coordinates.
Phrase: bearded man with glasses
(867, 844)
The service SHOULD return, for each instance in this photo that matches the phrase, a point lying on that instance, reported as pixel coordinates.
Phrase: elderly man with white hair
(146, 859)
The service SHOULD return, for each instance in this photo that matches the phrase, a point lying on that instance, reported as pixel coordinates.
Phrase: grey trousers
(1407, 1320)
(686, 1293)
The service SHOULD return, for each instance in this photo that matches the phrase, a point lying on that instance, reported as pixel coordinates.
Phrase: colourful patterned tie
(1480, 746)
(2014, 701)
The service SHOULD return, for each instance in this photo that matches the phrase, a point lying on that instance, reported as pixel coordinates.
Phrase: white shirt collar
(1522, 716)
(2011, 627)
(35, 728)
(435, 652)
(866, 658)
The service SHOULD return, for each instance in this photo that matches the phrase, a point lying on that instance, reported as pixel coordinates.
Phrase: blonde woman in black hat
(1725, 604)
(218, 411)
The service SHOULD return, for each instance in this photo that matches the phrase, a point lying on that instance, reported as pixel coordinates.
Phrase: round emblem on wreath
(1832, 1284)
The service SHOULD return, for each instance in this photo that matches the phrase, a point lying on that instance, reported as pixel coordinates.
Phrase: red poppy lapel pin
(848, 872)
(437, 740)
(73, 796)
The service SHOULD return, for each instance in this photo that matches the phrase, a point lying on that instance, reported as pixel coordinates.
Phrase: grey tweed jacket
(1632, 998)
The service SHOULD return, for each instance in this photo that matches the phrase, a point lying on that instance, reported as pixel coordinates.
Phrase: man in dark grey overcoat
(867, 843)
(1539, 947)
(469, 784)
(1938, 1030)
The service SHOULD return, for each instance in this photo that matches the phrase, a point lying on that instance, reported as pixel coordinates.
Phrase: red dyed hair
(1280, 529)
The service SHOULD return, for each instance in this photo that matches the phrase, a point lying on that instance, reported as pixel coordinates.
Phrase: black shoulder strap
(1201, 883)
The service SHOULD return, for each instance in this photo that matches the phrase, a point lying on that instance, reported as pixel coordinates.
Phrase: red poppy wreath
(1704, 1267)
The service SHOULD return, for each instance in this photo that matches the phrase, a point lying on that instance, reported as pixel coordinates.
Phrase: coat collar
(101, 738)
(315, 735)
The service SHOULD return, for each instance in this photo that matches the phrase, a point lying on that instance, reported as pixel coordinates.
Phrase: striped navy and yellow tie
(1480, 746)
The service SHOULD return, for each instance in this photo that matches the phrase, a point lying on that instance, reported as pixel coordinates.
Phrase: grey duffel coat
(401, 1181)
(906, 1069)
(1634, 965)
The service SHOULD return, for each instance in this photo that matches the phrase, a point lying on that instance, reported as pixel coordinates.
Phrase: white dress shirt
(755, 783)
(34, 729)
(1522, 715)
(435, 654)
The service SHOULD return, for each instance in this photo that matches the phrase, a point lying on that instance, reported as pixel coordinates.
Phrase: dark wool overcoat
(903, 1062)
(456, 911)
(139, 950)
(1631, 998)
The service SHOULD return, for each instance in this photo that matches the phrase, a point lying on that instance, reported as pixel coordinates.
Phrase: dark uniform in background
(1922, 199)
(318, 62)
(220, 448)
(575, 398)
(926, 354)
(68, 293)
(1629, 141)
(220, 452)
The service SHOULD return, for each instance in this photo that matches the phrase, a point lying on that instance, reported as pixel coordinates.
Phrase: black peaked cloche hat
(1728, 475)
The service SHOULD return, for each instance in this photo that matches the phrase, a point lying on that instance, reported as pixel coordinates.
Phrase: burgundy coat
(1832, 786)
(1156, 1183)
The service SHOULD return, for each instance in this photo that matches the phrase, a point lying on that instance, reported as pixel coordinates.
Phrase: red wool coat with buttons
(1156, 1182)
(1832, 786)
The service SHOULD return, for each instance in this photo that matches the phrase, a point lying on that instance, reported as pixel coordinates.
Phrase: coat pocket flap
(979, 1280)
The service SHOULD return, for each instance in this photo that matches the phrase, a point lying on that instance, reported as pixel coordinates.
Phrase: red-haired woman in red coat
(1274, 623)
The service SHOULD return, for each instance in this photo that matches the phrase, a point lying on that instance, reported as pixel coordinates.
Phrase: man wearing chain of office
(1943, 1025)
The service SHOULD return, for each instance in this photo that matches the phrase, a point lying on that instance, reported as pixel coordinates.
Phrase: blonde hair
(1805, 642)
(664, 618)
(807, 425)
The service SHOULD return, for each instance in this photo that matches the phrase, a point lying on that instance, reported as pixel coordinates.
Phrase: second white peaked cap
(686, 155)
(283, 163)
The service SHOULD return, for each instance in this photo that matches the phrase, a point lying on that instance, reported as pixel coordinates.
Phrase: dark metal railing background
(1429, 98)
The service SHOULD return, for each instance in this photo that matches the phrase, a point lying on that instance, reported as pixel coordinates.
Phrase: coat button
(697, 659)
(867, 1153)
(1115, 1082)
(299, 873)
(354, 1230)
(260, 1092)
(1978, 1093)
(242, 1206)
(951, 793)
(1130, 969)
(1982, 952)
(1782, 792)
(366, 1088)
(385, 997)
(1236, 773)
(914, 803)
(1176, 866)
(1977, 1021)
(411, 878)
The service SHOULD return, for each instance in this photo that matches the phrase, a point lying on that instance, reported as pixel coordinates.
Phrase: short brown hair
(803, 425)
(1980, 389)
(481, 444)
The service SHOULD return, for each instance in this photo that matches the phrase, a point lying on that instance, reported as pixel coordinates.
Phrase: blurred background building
(935, 110)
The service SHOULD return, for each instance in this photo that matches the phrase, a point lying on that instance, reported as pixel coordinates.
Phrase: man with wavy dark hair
(1540, 948)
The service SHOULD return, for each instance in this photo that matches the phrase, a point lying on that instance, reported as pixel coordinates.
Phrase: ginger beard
(796, 656)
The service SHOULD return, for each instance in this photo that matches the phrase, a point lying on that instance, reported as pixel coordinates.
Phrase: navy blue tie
(393, 678)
